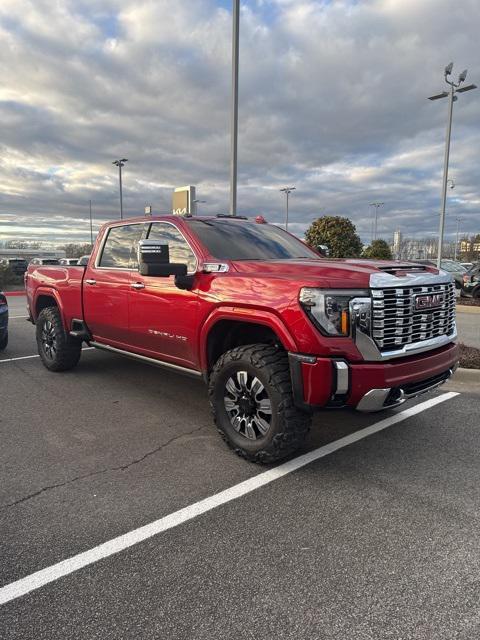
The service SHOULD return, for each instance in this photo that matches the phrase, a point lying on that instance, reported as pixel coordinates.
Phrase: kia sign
(183, 201)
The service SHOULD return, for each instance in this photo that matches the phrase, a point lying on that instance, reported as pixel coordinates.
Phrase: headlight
(329, 310)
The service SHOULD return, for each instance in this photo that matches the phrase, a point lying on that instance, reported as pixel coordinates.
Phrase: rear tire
(4, 341)
(251, 398)
(58, 351)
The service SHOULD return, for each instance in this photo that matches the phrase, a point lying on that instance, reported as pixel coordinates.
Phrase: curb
(466, 375)
(466, 308)
(15, 293)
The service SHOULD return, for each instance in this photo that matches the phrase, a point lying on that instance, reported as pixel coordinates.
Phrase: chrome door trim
(158, 363)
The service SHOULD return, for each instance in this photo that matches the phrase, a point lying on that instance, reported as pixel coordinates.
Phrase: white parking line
(16, 317)
(70, 565)
(35, 356)
(19, 358)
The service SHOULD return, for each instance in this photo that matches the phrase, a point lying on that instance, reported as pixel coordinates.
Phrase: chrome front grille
(396, 320)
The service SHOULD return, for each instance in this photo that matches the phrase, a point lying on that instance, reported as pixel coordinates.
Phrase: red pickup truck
(275, 329)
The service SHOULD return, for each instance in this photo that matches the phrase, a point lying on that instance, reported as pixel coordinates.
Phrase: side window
(120, 248)
(180, 251)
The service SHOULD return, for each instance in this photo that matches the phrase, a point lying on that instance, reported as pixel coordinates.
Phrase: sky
(333, 100)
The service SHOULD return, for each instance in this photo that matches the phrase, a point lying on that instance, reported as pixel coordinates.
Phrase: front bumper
(368, 386)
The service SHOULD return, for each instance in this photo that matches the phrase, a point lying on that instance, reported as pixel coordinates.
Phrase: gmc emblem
(429, 301)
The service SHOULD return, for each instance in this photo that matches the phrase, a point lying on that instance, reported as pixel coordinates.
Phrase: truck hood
(341, 274)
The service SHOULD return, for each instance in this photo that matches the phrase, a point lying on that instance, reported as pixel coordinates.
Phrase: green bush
(378, 250)
(338, 234)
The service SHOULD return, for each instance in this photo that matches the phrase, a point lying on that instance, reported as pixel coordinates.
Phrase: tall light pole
(287, 191)
(377, 205)
(91, 223)
(120, 164)
(455, 87)
(234, 122)
(456, 239)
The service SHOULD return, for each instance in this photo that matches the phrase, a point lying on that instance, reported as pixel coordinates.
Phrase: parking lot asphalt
(378, 540)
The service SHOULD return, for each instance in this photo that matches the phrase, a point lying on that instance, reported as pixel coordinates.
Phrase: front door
(163, 318)
(107, 284)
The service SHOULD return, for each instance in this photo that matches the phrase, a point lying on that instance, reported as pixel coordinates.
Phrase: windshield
(240, 240)
(451, 266)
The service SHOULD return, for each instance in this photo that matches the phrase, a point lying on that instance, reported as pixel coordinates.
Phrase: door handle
(90, 281)
(138, 285)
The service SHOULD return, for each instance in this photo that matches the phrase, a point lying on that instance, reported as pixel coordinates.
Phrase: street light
(234, 116)
(120, 164)
(456, 241)
(287, 191)
(455, 87)
(377, 205)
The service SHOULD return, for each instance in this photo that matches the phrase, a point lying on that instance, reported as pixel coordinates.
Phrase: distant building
(397, 244)
(29, 254)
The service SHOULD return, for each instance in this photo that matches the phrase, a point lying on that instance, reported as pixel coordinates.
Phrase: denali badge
(429, 301)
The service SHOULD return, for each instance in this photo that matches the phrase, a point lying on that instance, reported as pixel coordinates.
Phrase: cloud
(333, 100)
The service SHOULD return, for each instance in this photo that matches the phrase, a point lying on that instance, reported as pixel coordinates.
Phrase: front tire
(58, 351)
(251, 398)
(4, 341)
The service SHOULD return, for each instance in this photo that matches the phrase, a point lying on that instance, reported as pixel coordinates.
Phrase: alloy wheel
(248, 405)
(49, 340)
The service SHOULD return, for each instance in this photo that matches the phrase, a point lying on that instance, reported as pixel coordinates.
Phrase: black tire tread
(69, 349)
(273, 363)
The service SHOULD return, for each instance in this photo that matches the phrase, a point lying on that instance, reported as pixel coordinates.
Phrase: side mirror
(154, 260)
(323, 250)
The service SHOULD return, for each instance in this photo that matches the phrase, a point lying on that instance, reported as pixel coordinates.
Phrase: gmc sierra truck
(274, 329)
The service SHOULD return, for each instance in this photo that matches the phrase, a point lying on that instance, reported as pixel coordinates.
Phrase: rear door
(163, 318)
(106, 285)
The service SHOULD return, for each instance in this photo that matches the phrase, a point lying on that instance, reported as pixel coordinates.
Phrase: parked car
(83, 261)
(450, 266)
(69, 262)
(467, 265)
(3, 321)
(274, 329)
(471, 283)
(18, 266)
(45, 261)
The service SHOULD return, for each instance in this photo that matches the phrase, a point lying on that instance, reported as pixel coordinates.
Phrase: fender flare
(51, 293)
(241, 314)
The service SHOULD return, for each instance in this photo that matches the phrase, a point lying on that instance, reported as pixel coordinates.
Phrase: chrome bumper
(380, 399)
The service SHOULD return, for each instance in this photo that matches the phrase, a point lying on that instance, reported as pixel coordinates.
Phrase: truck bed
(64, 283)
